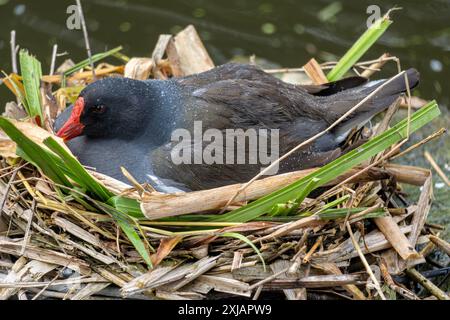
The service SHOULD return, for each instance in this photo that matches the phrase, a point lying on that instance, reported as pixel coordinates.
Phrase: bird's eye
(98, 108)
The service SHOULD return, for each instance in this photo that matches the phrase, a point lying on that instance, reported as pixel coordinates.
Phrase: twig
(420, 143)
(257, 293)
(312, 250)
(427, 284)
(268, 279)
(86, 37)
(306, 142)
(436, 167)
(46, 286)
(364, 261)
(5, 196)
(332, 268)
(28, 228)
(32, 284)
(376, 66)
(408, 89)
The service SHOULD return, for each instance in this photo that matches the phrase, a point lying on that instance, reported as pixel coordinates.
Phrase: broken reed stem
(86, 37)
(444, 245)
(312, 250)
(14, 52)
(257, 293)
(396, 237)
(315, 72)
(308, 141)
(364, 261)
(436, 168)
(427, 284)
(420, 143)
(53, 62)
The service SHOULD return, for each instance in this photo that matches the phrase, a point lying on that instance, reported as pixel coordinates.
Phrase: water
(283, 33)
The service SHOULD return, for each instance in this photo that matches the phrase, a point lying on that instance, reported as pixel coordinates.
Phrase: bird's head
(106, 108)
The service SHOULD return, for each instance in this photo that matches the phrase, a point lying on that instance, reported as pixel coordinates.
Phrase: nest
(355, 237)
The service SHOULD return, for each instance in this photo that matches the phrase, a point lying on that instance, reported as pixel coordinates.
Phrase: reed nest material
(355, 237)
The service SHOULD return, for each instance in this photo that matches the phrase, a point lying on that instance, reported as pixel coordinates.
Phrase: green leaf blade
(78, 170)
(31, 72)
(126, 224)
(130, 206)
(247, 241)
(359, 48)
(43, 159)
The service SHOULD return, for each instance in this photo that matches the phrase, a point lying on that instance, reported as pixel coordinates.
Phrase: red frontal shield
(73, 127)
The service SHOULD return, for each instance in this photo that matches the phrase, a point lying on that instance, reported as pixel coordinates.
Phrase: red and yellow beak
(73, 127)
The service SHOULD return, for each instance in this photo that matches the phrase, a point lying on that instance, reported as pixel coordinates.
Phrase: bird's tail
(388, 91)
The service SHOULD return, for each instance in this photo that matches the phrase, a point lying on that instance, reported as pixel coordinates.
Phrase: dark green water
(285, 33)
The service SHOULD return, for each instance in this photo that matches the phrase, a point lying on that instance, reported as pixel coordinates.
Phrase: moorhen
(124, 122)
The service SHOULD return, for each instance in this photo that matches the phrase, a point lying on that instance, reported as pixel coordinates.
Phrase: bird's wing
(243, 103)
(228, 71)
(205, 175)
(235, 71)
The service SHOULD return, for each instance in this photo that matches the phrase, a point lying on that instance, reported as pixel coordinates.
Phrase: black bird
(124, 122)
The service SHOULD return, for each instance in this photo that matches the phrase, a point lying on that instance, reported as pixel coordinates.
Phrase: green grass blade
(31, 72)
(332, 214)
(247, 241)
(78, 195)
(127, 224)
(54, 158)
(334, 203)
(78, 170)
(335, 168)
(312, 184)
(359, 48)
(43, 159)
(280, 209)
(95, 58)
(129, 206)
(285, 209)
